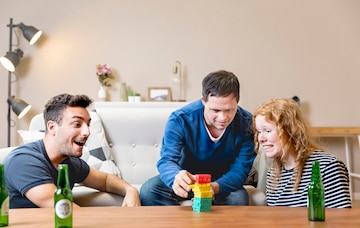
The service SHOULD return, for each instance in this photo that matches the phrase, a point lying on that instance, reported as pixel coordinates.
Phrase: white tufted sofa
(134, 134)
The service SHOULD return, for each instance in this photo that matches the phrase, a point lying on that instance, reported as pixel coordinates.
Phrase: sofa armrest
(256, 196)
(4, 152)
(88, 197)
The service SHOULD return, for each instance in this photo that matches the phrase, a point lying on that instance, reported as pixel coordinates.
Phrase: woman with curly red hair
(284, 135)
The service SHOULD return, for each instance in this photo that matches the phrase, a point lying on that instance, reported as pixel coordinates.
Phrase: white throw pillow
(30, 136)
(96, 152)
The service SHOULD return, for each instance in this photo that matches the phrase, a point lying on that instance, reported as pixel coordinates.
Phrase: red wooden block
(203, 178)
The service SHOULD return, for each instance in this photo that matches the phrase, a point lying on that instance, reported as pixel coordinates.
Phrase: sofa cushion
(88, 197)
(96, 152)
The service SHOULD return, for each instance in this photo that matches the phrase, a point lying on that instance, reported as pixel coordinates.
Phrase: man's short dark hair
(221, 83)
(55, 107)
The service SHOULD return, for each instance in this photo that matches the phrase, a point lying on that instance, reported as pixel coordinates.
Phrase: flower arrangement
(104, 74)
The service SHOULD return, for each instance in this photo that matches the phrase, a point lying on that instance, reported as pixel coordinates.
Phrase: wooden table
(346, 133)
(178, 216)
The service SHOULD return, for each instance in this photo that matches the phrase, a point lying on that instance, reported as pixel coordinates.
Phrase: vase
(123, 92)
(102, 93)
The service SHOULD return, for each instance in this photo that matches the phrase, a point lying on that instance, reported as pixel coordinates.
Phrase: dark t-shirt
(28, 166)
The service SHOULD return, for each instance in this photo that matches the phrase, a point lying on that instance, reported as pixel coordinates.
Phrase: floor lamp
(10, 62)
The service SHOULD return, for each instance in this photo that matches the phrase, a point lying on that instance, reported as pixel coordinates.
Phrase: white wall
(277, 48)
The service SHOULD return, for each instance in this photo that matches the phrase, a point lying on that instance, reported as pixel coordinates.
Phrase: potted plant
(137, 97)
(134, 97)
(104, 75)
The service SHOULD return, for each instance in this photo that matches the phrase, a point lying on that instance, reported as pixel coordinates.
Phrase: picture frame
(159, 94)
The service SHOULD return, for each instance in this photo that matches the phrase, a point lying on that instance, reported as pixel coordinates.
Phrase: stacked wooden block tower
(202, 193)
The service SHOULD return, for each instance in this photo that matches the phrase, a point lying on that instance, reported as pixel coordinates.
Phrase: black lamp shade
(19, 106)
(30, 33)
(11, 59)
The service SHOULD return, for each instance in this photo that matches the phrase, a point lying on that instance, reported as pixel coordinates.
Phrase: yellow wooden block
(207, 194)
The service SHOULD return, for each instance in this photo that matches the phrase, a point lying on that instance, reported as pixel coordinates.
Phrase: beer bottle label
(5, 207)
(63, 208)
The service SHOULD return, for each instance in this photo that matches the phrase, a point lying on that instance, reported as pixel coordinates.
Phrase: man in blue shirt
(211, 135)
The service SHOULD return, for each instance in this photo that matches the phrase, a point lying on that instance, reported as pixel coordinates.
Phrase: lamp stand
(10, 61)
(9, 112)
(11, 26)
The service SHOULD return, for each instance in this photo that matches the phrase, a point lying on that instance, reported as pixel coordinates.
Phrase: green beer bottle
(63, 199)
(316, 199)
(4, 199)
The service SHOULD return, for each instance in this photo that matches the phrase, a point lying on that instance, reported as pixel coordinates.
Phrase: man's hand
(182, 181)
(131, 198)
(105, 182)
(214, 188)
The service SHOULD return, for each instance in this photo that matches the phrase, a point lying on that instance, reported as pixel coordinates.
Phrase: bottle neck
(63, 176)
(2, 176)
(315, 175)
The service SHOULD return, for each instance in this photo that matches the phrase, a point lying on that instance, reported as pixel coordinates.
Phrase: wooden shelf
(346, 133)
(333, 131)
